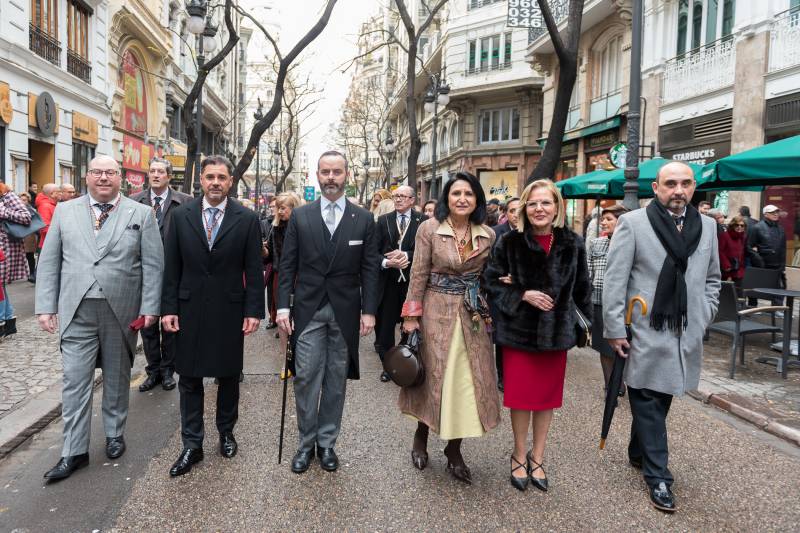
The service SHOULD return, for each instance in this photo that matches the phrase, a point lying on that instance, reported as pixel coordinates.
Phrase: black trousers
(192, 401)
(649, 434)
(159, 349)
(394, 294)
(498, 361)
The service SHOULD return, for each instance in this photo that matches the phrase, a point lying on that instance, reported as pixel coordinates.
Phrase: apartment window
(608, 68)
(176, 129)
(703, 23)
(489, 53)
(498, 125)
(475, 4)
(454, 142)
(444, 148)
(43, 39)
(78, 63)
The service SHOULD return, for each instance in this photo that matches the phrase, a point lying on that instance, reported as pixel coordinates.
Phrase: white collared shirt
(407, 214)
(164, 195)
(96, 210)
(339, 213)
(207, 216)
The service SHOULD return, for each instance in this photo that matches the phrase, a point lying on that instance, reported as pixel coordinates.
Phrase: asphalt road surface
(729, 475)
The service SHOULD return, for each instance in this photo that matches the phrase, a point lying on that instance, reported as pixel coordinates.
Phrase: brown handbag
(403, 363)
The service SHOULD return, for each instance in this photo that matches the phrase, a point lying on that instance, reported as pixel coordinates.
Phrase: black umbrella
(615, 381)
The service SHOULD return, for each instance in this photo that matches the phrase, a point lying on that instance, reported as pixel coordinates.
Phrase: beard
(332, 188)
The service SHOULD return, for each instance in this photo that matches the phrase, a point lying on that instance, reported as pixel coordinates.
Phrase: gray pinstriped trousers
(94, 329)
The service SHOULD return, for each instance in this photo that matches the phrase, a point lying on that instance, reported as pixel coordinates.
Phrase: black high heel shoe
(540, 484)
(519, 483)
(455, 463)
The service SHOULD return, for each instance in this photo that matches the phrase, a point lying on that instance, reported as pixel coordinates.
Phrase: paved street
(729, 475)
(22, 298)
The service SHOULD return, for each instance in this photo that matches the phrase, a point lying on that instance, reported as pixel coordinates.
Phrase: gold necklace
(462, 242)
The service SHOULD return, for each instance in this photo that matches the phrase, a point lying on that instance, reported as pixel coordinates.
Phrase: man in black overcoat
(159, 345)
(213, 295)
(330, 263)
(396, 232)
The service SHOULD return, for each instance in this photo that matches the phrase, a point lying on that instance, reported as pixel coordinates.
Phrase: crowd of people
(493, 288)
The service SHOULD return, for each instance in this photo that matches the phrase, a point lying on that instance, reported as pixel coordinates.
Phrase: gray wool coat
(662, 361)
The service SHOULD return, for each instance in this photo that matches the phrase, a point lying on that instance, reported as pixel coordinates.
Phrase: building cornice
(138, 20)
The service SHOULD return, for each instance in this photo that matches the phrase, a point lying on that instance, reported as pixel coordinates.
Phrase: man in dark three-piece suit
(330, 263)
(213, 296)
(396, 232)
(159, 345)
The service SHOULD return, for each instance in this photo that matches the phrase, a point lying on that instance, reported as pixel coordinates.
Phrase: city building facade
(55, 114)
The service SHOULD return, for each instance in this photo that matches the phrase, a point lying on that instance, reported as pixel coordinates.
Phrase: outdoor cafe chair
(760, 278)
(734, 322)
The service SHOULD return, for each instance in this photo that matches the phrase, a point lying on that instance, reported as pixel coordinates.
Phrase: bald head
(50, 190)
(674, 186)
(103, 179)
(105, 160)
(67, 192)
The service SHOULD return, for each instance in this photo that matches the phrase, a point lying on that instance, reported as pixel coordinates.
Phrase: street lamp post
(631, 187)
(390, 152)
(258, 115)
(205, 30)
(276, 153)
(438, 94)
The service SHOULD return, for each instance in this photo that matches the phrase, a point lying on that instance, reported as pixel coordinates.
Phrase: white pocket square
(355, 243)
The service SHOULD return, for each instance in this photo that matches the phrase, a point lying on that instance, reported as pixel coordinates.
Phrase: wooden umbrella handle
(631, 306)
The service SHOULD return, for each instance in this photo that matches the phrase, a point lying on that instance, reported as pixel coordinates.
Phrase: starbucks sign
(618, 155)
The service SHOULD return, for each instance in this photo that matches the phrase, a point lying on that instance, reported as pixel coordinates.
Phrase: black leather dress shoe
(66, 466)
(302, 460)
(661, 497)
(187, 458)
(227, 445)
(150, 383)
(115, 447)
(327, 459)
(385, 377)
(167, 382)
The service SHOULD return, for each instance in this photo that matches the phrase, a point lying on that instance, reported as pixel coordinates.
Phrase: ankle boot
(10, 327)
(419, 451)
(455, 462)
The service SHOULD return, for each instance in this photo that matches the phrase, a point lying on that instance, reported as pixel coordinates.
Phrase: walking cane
(285, 375)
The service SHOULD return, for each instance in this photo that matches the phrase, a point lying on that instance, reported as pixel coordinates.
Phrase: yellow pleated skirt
(459, 410)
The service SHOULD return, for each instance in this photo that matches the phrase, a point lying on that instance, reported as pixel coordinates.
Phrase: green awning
(609, 184)
(591, 129)
(776, 163)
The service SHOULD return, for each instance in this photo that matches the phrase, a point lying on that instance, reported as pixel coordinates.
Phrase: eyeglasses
(739, 225)
(336, 172)
(96, 172)
(546, 204)
(401, 197)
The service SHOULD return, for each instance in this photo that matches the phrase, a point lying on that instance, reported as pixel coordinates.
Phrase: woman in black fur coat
(535, 278)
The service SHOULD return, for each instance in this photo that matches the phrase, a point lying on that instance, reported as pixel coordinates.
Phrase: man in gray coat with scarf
(667, 254)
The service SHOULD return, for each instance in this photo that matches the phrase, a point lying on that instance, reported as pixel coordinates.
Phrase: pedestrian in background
(66, 192)
(158, 344)
(744, 211)
(536, 278)
(99, 270)
(285, 203)
(429, 208)
(46, 202)
(33, 191)
(384, 207)
(458, 398)
(704, 207)
(31, 242)
(598, 257)
(492, 212)
(378, 196)
(15, 265)
(733, 250)
(329, 262)
(667, 254)
(768, 240)
(396, 236)
(213, 297)
(719, 218)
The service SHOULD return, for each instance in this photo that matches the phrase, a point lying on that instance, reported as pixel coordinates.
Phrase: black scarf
(669, 303)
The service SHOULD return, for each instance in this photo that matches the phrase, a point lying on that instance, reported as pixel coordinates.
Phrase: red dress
(534, 381)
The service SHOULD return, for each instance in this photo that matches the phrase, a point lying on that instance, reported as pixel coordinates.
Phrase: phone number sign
(525, 14)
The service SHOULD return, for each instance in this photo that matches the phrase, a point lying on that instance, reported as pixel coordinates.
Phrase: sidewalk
(757, 394)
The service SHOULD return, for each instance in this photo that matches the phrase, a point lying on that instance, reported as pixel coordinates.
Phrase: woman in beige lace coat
(459, 397)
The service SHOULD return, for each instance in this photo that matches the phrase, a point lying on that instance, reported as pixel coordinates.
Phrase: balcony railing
(700, 71)
(44, 45)
(605, 106)
(78, 66)
(476, 4)
(784, 48)
(488, 68)
(574, 117)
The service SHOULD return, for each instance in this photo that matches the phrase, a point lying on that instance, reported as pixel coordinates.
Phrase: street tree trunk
(567, 53)
(411, 74)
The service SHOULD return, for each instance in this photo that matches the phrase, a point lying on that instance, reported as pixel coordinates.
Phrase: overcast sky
(334, 46)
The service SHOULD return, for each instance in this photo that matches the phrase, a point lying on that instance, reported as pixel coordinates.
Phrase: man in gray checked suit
(667, 254)
(99, 279)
